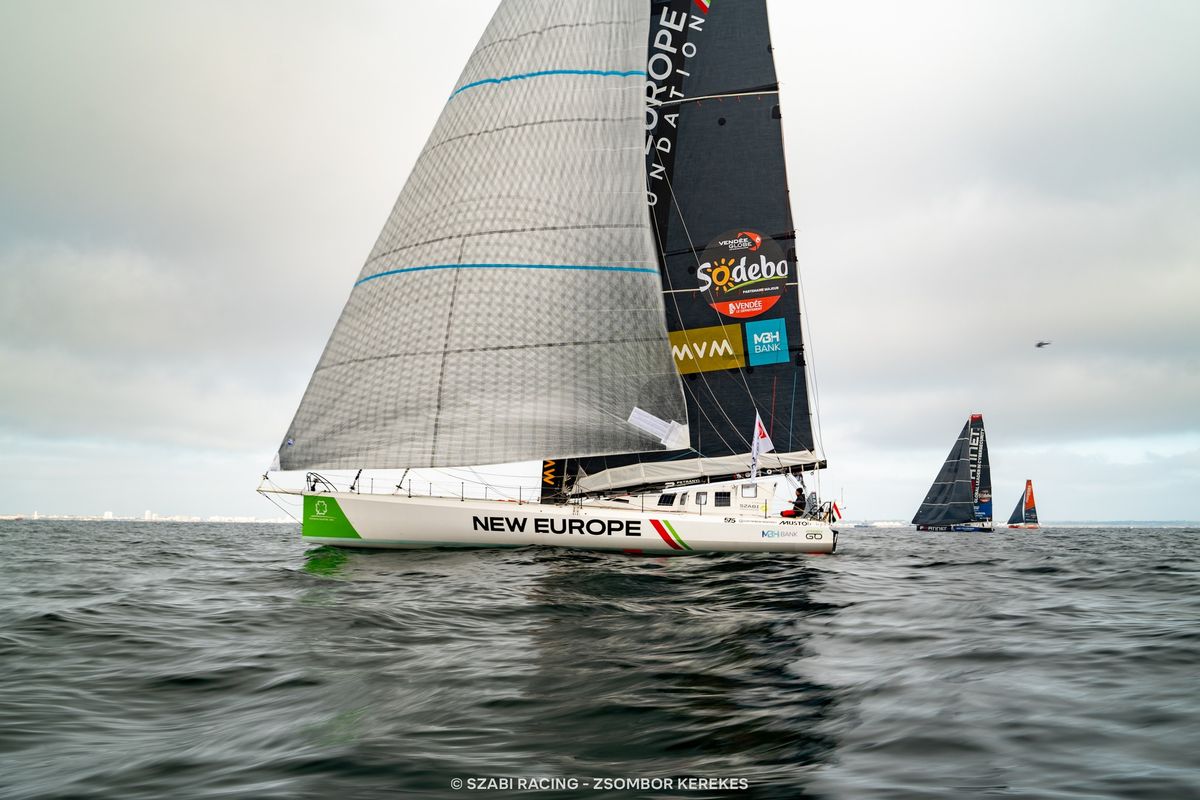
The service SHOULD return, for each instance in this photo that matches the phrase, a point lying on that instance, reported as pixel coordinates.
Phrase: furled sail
(511, 308)
(718, 194)
(962, 491)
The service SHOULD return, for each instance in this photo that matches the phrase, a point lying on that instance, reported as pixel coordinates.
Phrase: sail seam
(489, 131)
(493, 349)
(577, 267)
(541, 31)
(604, 73)
(540, 229)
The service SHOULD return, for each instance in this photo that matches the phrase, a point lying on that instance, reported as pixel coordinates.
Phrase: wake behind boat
(592, 264)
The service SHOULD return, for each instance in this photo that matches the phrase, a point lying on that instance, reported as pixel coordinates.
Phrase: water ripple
(156, 660)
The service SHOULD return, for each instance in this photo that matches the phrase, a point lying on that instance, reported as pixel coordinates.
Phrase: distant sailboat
(960, 498)
(1025, 514)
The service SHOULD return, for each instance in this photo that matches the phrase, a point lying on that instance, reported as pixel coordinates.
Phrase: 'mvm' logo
(708, 349)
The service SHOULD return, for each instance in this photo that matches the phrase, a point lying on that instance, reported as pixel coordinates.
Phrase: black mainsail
(961, 494)
(718, 195)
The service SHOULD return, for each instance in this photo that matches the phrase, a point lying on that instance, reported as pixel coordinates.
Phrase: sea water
(161, 660)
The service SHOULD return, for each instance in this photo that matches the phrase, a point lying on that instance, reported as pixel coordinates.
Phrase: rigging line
(748, 93)
(805, 332)
(437, 404)
(704, 412)
(720, 318)
(810, 368)
(281, 508)
(792, 415)
(675, 301)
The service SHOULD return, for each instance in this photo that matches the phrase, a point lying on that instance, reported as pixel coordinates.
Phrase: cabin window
(721, 498)
(666, 500)
(683, 499)
(701, 498)
(750, 490)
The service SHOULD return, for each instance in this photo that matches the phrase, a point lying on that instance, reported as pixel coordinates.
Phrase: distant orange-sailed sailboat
(1025, 514)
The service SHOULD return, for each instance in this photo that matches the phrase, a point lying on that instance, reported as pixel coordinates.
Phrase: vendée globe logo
(743, 274)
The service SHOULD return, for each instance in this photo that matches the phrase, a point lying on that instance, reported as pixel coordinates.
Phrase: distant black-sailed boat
(1025, 514)
(960, 498)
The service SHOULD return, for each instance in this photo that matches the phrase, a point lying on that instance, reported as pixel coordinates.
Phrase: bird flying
(1040, 345)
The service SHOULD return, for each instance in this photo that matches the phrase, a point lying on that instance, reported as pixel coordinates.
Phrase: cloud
(190, 189)
(985, 179)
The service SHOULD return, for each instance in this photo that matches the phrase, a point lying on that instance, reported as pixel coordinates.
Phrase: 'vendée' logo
(743, 274)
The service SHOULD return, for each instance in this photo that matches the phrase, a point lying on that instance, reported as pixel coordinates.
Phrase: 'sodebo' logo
(743, 274)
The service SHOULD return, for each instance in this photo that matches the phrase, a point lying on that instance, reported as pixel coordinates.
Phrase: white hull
(392, 521)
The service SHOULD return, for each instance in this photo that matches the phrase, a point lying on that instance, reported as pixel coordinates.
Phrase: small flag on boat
(760, 443)
(703, 4)
(837, 512)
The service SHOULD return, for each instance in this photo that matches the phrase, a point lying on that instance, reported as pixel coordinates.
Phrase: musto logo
(743, 274)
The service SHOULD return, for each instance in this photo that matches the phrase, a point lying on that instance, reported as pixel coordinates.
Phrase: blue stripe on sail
(587, 267)
(522, 76)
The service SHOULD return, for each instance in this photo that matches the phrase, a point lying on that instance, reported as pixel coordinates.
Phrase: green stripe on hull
(358, 541)
(678, 538)
(324, 519)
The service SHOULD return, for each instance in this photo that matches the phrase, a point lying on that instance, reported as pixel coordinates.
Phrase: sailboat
(1025, 514)
(960, 498)
(592, 264)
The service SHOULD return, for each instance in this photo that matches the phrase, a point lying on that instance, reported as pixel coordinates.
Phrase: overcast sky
(188, 190)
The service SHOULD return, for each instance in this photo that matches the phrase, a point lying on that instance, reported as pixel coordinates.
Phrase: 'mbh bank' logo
(708, 349)
(768, 342)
